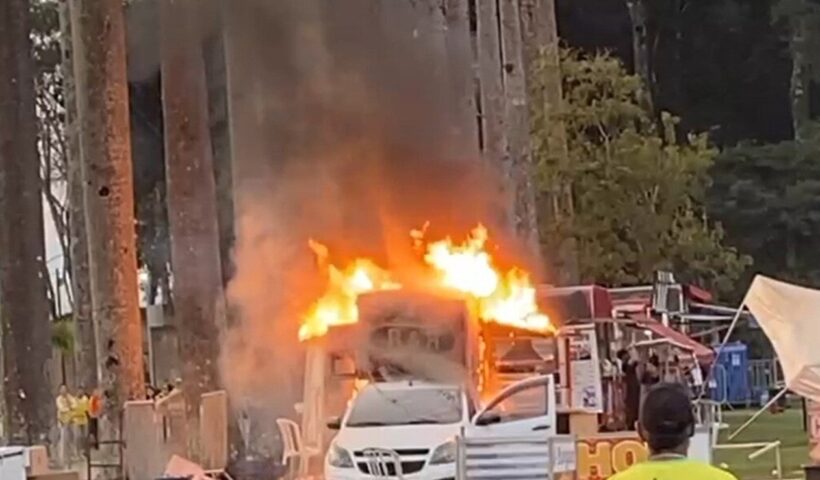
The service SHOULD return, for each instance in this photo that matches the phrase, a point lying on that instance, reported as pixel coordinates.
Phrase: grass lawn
(786, 427)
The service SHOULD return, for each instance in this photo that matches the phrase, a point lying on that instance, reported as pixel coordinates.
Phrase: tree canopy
(768, 196)
(637, 190)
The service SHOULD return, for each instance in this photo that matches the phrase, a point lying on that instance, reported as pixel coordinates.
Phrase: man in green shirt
(666, 424)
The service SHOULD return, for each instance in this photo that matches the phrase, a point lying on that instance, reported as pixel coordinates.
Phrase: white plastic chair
(378, 462)
(294, 448)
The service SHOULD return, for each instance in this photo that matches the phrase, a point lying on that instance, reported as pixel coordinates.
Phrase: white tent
(790, 317)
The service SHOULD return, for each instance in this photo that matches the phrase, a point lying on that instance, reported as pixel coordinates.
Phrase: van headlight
(444, 453)
(338, 457)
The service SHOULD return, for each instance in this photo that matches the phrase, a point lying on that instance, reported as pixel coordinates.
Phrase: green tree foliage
(62, 335)
(768, 197)
(636, 190)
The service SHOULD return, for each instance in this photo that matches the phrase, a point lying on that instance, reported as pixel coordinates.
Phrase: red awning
(702, 352)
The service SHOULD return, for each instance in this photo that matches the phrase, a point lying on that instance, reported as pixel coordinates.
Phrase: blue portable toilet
(731, 376)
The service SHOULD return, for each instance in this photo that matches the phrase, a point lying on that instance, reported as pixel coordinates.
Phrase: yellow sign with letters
(602, 457)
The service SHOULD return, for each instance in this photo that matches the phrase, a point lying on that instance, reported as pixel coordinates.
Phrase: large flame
(503, 296)
(337, 306)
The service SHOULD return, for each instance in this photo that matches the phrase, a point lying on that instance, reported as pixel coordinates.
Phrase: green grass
(786, 427)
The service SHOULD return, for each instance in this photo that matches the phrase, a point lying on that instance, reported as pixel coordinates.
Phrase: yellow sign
(600, 458)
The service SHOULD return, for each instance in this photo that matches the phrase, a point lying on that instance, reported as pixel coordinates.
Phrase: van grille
(412, 460)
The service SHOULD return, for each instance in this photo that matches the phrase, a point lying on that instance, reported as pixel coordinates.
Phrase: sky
(54, 253)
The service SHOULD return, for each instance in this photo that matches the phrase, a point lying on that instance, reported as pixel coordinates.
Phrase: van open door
(523, 408)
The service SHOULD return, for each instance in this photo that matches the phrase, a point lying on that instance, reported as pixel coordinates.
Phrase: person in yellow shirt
(666, 424)
(65, 403)
(79, 418)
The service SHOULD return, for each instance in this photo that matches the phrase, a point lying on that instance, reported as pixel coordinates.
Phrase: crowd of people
(639, 374)
(78, 414)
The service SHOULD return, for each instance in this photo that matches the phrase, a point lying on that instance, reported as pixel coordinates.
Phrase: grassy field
(786, 427)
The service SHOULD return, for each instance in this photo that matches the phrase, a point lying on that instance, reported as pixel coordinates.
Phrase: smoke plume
(344, 130)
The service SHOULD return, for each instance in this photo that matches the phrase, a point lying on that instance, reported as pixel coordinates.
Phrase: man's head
(622, 355)
(63, 389)
(667, 421)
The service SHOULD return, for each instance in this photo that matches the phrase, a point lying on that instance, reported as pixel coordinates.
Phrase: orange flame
(505, 297)
(337, 306)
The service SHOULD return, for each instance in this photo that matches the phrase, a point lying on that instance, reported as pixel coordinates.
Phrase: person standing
(95, 406)
(79, 420)
(667, 424)
(66, 404)
(632, 386)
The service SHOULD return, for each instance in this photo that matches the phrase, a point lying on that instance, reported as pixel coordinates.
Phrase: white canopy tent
(789, 315)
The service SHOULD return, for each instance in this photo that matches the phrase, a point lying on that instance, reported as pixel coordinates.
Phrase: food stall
(603, 453)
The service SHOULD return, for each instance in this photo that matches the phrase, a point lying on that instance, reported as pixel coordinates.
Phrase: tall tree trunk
(639, 18)
(85, 338)
(26, 330)
(519, 155)
(462, 75)
(800, 79)
(542, 57)
(198, 297)
(98, 33)
(493, 102)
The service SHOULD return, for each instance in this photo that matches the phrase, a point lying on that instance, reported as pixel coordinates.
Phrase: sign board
(583, 367)
(603, 456)
(813, 414)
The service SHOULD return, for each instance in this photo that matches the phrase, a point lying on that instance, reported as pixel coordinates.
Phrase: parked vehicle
(412, 427)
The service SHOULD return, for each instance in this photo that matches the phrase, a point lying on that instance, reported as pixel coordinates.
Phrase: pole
(729, 332)
(758, 413)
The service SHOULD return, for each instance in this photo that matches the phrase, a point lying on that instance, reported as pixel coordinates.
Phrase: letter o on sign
(626, 454)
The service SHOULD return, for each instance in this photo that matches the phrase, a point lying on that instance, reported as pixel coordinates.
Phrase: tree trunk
(26, 330)
(800, 80)
(640, 46)
(519, 154)
(98, 33)
(462, 75)
(543, 60)
(493, 125)
(199, 308)
(85, 338)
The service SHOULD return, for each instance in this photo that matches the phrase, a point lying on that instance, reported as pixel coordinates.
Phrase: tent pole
(729, 332)
(758, 413)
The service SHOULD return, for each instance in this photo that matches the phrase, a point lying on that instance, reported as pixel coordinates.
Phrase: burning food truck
(408, 377)
(369, 331)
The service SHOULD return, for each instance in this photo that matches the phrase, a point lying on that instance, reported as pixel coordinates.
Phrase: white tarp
(790, 317)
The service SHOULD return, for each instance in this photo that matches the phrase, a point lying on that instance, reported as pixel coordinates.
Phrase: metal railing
(765, 375)
(536, 457)
(117, 465)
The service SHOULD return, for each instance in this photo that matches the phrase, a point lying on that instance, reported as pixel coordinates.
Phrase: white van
(413, 426)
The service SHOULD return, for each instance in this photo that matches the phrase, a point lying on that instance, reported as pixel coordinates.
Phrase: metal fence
(531, 457)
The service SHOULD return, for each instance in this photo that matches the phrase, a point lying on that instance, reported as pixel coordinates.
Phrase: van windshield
(376, 407)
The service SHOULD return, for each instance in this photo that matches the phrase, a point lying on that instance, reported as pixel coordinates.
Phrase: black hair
(621, 354)
(666, 417)
(654, 360)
